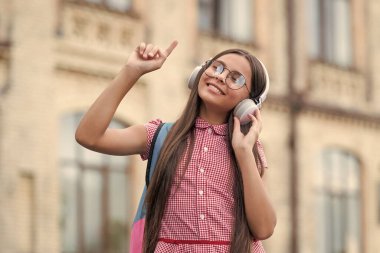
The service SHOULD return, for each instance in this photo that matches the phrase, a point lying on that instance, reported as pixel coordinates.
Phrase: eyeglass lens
(234, 79)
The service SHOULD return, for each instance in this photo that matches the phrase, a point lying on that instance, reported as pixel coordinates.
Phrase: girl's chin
(216, 105)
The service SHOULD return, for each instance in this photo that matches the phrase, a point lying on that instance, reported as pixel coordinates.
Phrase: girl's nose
(222, 77)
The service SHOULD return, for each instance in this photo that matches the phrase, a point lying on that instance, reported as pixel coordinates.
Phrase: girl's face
(213, 90)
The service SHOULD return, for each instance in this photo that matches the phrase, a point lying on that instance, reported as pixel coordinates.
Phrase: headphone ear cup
(193, 77)
(243, 109)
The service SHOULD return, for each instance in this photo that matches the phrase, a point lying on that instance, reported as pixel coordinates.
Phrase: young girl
(206, 194)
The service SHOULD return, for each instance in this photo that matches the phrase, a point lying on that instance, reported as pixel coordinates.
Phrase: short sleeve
(150, 129)
(261, 160)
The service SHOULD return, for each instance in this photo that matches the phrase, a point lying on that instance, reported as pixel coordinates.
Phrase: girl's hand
(147, 57)
(241, 142)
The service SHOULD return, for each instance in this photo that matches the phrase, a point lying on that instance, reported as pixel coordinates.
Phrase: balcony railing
(333, 86)
(95, 40)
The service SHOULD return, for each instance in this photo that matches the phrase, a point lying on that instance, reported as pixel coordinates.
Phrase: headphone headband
(263, 96)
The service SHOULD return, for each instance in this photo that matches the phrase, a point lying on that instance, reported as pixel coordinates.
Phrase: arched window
(338, 203)
(95, 196)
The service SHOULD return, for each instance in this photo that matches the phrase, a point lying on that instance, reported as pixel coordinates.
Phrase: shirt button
(202, 170)
(209, 130)
(201, 192)
(202, 216)
(205, 149)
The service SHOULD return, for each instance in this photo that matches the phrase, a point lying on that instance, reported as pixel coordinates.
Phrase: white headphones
(246, 106)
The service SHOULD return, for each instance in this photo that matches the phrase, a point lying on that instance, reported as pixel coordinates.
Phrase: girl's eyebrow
(225, 66)
(221, 62)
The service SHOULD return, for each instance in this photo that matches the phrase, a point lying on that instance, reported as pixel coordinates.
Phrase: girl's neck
(213, 117)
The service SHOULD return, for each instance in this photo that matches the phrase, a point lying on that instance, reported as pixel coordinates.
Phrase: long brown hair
(174, 149)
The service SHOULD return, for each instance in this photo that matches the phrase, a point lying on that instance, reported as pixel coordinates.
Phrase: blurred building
(321, 120)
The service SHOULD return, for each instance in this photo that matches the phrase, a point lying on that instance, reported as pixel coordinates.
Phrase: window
(232, 19)
(338, 203)
(118, 5)
(95, 196)
(330, 31)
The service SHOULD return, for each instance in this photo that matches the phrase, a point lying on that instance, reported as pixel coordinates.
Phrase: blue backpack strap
(155, 148)
(149, 164)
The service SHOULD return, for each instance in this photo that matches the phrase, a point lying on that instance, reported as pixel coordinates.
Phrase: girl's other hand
(148, 57)
(241, 142)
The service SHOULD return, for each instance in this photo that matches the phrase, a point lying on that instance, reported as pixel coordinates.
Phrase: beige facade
(57, 56)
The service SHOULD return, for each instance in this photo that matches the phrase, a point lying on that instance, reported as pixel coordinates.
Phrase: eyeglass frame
(209, 64)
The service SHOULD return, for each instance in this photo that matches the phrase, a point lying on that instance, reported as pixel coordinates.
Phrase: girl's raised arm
(93, 132)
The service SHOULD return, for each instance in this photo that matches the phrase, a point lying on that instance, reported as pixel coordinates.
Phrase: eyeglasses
(234, 79)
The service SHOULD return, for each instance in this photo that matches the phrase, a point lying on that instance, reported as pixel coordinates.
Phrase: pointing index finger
(169, 50)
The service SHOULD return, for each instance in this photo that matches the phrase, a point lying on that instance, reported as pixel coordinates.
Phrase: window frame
(104, 169)
(323, 28)
(332, 193)
(216, 25)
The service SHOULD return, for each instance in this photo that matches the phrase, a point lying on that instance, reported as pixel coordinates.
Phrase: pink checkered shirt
(199, 216)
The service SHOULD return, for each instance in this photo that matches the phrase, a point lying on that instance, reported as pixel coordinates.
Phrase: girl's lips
(215, 88)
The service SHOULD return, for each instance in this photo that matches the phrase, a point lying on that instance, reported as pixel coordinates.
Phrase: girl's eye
(219, 69)
(237, 78)
(234, 78)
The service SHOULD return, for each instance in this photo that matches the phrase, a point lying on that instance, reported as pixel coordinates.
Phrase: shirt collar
(218, 129)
